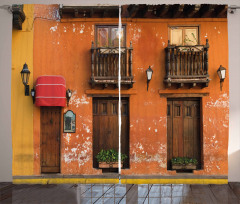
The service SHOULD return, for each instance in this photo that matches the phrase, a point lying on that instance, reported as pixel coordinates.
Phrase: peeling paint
(80, 154)
(78, 101)
(82, 27)
(54, 28)
(224, 125)
(221, 102)
(67, 137)
(136, 32)
(147, 103)
(92, 32)
(140, 69)
(86, 128)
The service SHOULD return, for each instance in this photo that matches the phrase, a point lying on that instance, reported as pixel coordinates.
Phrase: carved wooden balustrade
(105, 64)
(187, 65)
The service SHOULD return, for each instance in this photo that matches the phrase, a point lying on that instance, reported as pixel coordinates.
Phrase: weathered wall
(22, 106)
(63, 48)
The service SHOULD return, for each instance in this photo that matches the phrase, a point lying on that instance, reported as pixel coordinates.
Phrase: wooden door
(105, 127)
(183, 129)
(50, 139)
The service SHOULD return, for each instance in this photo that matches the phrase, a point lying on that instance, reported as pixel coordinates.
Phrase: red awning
(50, 91)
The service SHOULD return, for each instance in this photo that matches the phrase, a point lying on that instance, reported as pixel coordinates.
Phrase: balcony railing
(187, 65)
(105, 64)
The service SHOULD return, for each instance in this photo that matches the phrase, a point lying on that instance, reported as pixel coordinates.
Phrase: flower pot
(191, 166)
(184, 166)
(104, 165)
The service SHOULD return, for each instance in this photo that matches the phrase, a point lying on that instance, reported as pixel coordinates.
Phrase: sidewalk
(118, 193)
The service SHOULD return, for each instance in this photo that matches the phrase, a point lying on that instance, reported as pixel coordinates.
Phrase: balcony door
(183, 129)
(105, 127)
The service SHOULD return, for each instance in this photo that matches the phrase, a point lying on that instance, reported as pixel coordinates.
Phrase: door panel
(105, 126)
(183, 129)
(50, 139)
(177, 129)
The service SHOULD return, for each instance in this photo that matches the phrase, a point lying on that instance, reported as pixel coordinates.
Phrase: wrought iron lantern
(25, 73)
(222, 75)
(149, 73)
(33, 92)
(68, 95)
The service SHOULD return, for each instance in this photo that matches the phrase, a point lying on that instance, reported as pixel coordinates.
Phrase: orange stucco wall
(63, 48)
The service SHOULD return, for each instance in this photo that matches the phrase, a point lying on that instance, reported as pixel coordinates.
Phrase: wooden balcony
(105, 64)
(187, 65)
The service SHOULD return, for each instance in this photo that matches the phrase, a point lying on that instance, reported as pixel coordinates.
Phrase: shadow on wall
(234, 167)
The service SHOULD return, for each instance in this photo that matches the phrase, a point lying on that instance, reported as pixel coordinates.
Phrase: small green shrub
(109, 156)
(183, 161)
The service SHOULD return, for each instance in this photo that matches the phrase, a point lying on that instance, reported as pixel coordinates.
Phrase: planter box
(182, 166)
(104, 165)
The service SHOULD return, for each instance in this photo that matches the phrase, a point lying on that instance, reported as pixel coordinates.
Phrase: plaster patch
(68, 157)
(163, 43)
(221, 102)
(92, 32)
(148, 103)
(36, 155)
(53, 29)
(139, 146)
(67, 137)
(224, 125)
(80, 154)
(140, 69)
(82, 27)
(78, 101)
(86, 128)
(156, 130)
(136, 32)
(206, 35)
(74, 150)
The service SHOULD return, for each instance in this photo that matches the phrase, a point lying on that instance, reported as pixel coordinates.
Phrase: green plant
(109, 156)
(183, 161)
(188, 40)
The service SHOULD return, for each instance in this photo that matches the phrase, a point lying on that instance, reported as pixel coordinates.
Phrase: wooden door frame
(185, 98)
(60, 141)
(114, 96)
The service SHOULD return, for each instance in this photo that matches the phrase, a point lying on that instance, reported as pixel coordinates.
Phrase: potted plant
(184, 163)
(109, 158)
